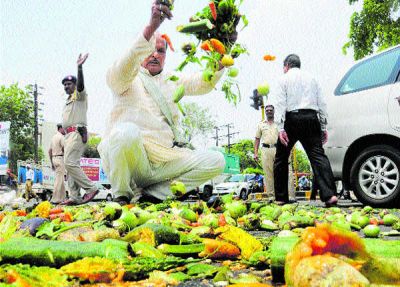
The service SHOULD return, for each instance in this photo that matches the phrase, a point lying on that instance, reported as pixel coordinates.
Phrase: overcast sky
(41, 39)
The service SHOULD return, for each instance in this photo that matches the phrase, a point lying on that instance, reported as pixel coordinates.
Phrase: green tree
(303, 164)
(16, 106)
(375, 27)
(197, 122)
(245, 150)
(91, 148)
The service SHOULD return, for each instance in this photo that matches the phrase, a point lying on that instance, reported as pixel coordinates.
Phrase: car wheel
(375, 176)
(109, 197)
(46, 195)
(207, 193)
(243, 194)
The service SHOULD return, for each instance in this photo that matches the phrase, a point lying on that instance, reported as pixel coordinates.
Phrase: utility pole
(229, 135)
(36, 132)
(217, 136)
(36, 119)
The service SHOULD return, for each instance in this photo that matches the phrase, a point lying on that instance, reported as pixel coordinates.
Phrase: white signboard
(4, 146)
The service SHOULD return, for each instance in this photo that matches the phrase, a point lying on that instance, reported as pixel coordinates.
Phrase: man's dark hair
(270, 106)
(292, 61)
(59, 126)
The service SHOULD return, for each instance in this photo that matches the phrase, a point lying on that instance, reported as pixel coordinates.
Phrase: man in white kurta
(138, 151)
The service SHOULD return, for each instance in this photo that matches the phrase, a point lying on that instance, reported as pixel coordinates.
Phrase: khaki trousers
(267, 161)
(29, 193)
(59, 194)
(77, 179)
(128, 168)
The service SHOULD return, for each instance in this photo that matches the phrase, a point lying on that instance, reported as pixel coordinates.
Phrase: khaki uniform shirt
(57, 144)
(132, 102)
(75, 109)
(268, 133)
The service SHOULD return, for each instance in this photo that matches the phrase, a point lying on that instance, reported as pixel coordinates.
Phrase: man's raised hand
(159, 11)
(82, 59)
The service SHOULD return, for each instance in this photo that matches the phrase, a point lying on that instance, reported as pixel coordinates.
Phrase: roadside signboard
(4, 146)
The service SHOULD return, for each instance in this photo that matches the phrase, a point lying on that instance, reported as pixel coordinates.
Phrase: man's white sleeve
(280, 105)
(122, 73)
(322, 108)
(195, 85)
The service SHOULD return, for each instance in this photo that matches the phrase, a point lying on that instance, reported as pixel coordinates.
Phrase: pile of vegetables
(106, 244)
(215, 28)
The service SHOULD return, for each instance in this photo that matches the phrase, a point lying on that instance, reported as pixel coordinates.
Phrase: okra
(182, 250)
(196, 26)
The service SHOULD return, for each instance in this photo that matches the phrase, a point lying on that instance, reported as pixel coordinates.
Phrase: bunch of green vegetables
(215, 28)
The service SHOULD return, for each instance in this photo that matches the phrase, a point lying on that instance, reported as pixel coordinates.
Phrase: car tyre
(375, 176)
(46, 195)
(243, 194)
(207, 193)
(109, 197)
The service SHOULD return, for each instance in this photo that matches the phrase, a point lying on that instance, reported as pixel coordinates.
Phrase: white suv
(364, 129)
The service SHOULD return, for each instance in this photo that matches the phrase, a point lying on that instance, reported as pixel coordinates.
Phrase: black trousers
(303, 126)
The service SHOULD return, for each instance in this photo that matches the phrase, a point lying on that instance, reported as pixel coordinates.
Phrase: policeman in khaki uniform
(74, 124)
(267, 133)
(56, 155)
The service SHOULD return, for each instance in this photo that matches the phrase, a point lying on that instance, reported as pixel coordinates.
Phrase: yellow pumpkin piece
(216, 249)
(247, 243)
(94, 270)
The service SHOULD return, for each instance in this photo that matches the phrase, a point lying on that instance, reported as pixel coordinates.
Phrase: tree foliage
(91, 148)
(245, 150)
(375, 27)
(16, 106)
(303, 164)
(197, 121)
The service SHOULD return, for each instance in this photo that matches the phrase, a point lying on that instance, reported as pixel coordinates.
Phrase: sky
(40, 41)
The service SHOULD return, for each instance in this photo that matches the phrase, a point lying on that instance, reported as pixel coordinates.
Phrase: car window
(236, 178)
(373, 72)
(249, 177)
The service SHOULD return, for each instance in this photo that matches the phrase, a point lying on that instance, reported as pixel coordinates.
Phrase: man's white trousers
(128, 168)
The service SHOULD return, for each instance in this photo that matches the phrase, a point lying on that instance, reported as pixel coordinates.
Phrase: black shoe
(187, 195)
(214, 201)
(280, 203)
(149, 199)
(122, 200)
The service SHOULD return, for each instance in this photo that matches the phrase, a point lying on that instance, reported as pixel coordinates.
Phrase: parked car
(105, 192)
(237, 184)
(364, 129)
(205, 191)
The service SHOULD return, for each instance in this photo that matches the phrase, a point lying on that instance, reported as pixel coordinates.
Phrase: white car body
(364, 119)
(235, 184)
(105, 192)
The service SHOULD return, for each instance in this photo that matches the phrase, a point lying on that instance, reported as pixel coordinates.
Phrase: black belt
(58, 155)
(302, 111)
(268, 145)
